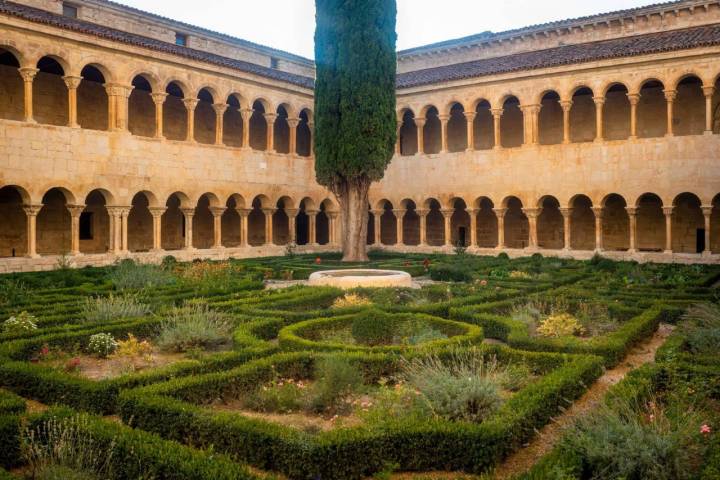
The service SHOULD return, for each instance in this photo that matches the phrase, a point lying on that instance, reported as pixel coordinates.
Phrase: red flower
(45, 350)
(705, 429)
(318, 260)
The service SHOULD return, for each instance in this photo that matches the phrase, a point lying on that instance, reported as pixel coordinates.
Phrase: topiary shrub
(102, 344)
(451, 273)
(373, 328)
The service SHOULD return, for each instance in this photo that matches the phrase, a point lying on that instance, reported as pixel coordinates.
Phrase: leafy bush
(701, 327)
(193, 326)
(282, 395)
(451, 273)
(373, 327)
(21, 323)
(102, 344)
(13, 291)
(559, 325)
(113, 307)
(335, 378)
(351, 300)
(132, 347)
(128, 275)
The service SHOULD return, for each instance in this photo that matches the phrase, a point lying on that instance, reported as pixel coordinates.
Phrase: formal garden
(238, 370)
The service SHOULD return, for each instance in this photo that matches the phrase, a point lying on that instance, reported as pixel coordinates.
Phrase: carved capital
(217, 211)
(470, 116)
(269, 211)
(420, 122)
(708, 91)
(117, 90)
(598, 212)
(668, 211)
(447, 212)
(270, 117)
(599, 101)
(220, 108)
(500, 212)
(32, 210)
(566, 211)
(399, 212)
(497, 112)
(190, 103)
(28, 74)
(634, 98)
(472, 211)
(444, 117)
(566, 105)
(71, 82)
(632, 211)
(159, 97)
(243, 212)
(292, 212)
(293, 122)
(707, 210)
(532, 212)
(422, 212)
(75, 210)
(189, 212)
(246, 113)
(157, 211)
(670, 95)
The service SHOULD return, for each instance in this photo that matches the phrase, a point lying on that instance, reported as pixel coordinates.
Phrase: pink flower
(652, 417)
(705, 429)
(483, 282)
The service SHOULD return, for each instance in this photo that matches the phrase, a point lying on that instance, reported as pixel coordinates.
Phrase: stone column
(219, 123)
(31, 212)
(634, 99)
(115, 214)
(708, 92)
(566, 107)
(670, 96)
(444, 132)
(376, 219)
(420, 125)
(500, 214)
(707, 214)
(473, 212)
(312, 224)
(75, 212)
(28, 75)
(447, 214)
(497, 114)
(534, 111)
(632, 215)
(598, 212)
(423, 213)
(398, 139)
(567, 227)
(269, 225)
(157, 213)
(118, 106)
(270, 121)
(668, 211)
(532, 214)
(293, 124)
(72, 84)
(159, 100)
(599, 104)
(217, 213)
(470, 119)
(124, 214)
(334, 227)
(399, 217)
(189, 213)
(244, 214)
(292, 216)
(528, 123)
(190, 104)
(246, 113)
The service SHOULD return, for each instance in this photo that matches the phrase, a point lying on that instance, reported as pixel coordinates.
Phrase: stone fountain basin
(353, 278)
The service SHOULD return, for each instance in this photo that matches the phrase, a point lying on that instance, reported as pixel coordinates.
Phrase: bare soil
(94, 368)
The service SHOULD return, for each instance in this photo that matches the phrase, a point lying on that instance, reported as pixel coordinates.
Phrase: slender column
(632, 215)
(447, 214)
(399, 217)
(270, 120)
(334, 227)
(567, 227)
(115, 214)
(634, 99)
(470, 119)
(444, 132)
(189, 213)
(708, 92)
(31, 213)
(397, 136)
(244, 214)
(312, 224)
(246, 113)
(420, 125)
(28, 75)
(159, 100)
(190, 104)
(599, 105)
(532, 214)
(293, 124)
(473, 212)
(528, 123)
(292, 231)
(598, 211)
(72, 84)
(423, 213)
(534, 124)
(566, 107)
(217, 213)
(124, 214)
(668, 211)
(118, 106)
(219, 116)
(157, 213)
(269, 225)
(670, 96)
(75, 211)
(500, 214)
(707, 213)
(311, 127)
(497, 114)
(376, 218)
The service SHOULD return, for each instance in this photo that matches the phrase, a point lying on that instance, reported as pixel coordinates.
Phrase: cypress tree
(355, 119)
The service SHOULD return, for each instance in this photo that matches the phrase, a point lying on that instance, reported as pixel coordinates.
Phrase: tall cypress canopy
(355, 120)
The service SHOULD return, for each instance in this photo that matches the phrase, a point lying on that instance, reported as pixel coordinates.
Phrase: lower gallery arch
(550, 224)
(411, 223)
(517, 227)
(434, 224)
(95, 224)
(388, 225)
(650, 223)
(460, 224)
(371, 227)
(53, 224)
(256, 223)
(322, 224)
(487, 224)
(615, 223)
(13, 234)
(302, 222)
(281, 222)
(582, 224)
(173, 224)
(230, 222)
(203, 223)
(688, 224)
(140, 224)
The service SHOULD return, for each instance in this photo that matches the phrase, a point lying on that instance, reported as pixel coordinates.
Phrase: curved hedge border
(294, 337)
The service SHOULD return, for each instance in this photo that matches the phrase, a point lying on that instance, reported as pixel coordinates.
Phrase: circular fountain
(353, 278)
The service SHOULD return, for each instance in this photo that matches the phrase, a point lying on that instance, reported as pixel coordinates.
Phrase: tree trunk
(353, 200)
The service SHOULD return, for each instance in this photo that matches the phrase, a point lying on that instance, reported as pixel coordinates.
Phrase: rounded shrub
(373, 327)
(21, 323)
(102, 344)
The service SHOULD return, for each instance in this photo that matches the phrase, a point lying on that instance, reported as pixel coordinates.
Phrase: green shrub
(279, 395)
(374, 327)
(451, 273)
(113, 307)
(21, 323)
(335, 378)
(102, 344)
(193, 326)
(701, 327)
(128, 275)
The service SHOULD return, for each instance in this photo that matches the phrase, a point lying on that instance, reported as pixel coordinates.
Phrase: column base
(708, 132)
(669, 135)
(157, 250)
(706, 253)
(34, 255)
(632, 250)
(667, 252)
(599, 140)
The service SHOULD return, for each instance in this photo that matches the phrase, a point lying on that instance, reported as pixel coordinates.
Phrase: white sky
(289, 24)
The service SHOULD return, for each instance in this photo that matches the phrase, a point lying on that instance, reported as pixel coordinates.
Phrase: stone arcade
(149, 137)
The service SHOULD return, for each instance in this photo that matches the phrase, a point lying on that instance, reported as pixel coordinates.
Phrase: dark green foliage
(355, 120)
(451, 273)
(373, 327)
(9, 440)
